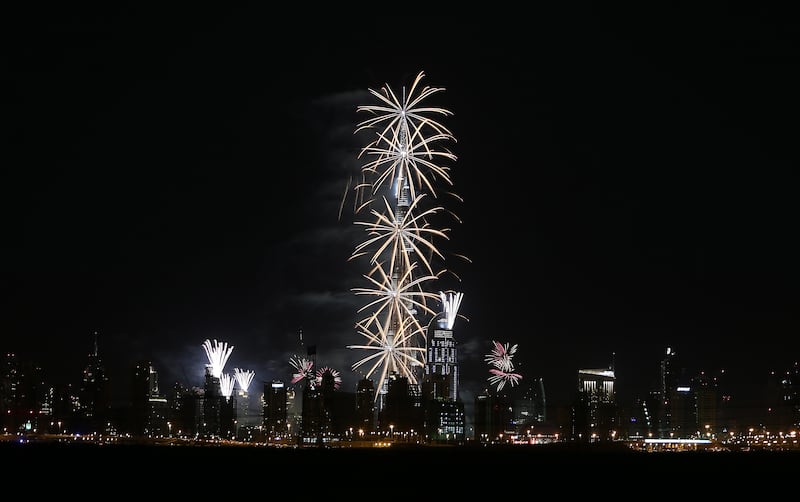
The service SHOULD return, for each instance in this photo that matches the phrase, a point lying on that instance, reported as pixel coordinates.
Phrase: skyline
(625, 189)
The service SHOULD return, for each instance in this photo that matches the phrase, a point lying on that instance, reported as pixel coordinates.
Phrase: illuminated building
(443, 410)
(595, 410)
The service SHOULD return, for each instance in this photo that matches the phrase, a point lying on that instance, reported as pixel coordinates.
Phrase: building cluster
(316, 411)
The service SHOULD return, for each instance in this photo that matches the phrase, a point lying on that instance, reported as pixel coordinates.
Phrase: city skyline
(625, 188)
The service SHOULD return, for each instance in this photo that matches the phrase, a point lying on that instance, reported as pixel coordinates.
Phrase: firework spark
(226, 382)
(501, 369)
(405, 158)
(401, 237)
(499, 378)
(501, 355)
(304, 369)
(450, 303)
(218, 354)
(244, 378)
(326, 372)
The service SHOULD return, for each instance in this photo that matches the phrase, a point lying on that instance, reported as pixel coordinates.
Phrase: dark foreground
(571, 469)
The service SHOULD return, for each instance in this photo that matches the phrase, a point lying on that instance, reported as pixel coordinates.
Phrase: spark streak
(226, 382)
(244, 378)
(218, 354)
(406, 158)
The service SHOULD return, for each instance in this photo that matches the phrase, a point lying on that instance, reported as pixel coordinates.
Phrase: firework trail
(501, 369)
(304, 369)
(450, 304)
(226, 383)
(218, 354)
(331, 373)
(244, 378)
(405, 160)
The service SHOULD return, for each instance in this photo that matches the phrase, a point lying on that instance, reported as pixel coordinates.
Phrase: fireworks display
(501, 366)
(331, 373)
(450, 304)
(226, 383)
(243, 378)
(304, 369)
(404, 162)
(218, 354)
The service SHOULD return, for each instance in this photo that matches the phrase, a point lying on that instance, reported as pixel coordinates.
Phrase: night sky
(628, 181)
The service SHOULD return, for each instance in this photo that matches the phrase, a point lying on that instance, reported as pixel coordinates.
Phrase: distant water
(572, 468)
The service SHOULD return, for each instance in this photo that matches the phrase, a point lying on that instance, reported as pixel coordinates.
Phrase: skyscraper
(94, 395)
(595, 410)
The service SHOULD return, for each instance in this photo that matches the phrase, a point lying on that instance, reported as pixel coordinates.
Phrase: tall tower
(94, 394)
(397, 189)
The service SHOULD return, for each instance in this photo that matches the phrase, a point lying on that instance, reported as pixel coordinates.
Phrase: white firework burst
(391, 352)
(401, 239)
(244, 378)
(406, 158)
(226, 384)
(405, 150)
(450, 304)
(217, 354)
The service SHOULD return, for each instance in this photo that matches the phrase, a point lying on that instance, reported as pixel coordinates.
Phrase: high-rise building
(212, 403)
(444, 419)
(94, 395)
(25, 401)
(493, 416)
(441, 367)
(275, 409)
(365, 406)
(149, 408)
(595, 410)
(531, 408)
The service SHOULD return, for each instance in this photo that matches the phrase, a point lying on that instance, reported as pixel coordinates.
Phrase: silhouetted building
(212, 404)
(25, 399)
(186, 411)
(94, 396)
(365, 406)
(275, 422)
(402, 412)
(707, 404)
(783, 400)
(494, 416)
(149, 409)
(530, 409)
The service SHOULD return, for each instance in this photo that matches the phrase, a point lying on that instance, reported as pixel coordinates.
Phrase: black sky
(629, 183)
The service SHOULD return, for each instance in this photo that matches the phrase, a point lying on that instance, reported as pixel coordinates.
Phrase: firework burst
(226, 383)
(218, 354)
(244, 378)
(406, 158)
(326, 372)
(450, 304)
(304, 369)
(501, 365)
